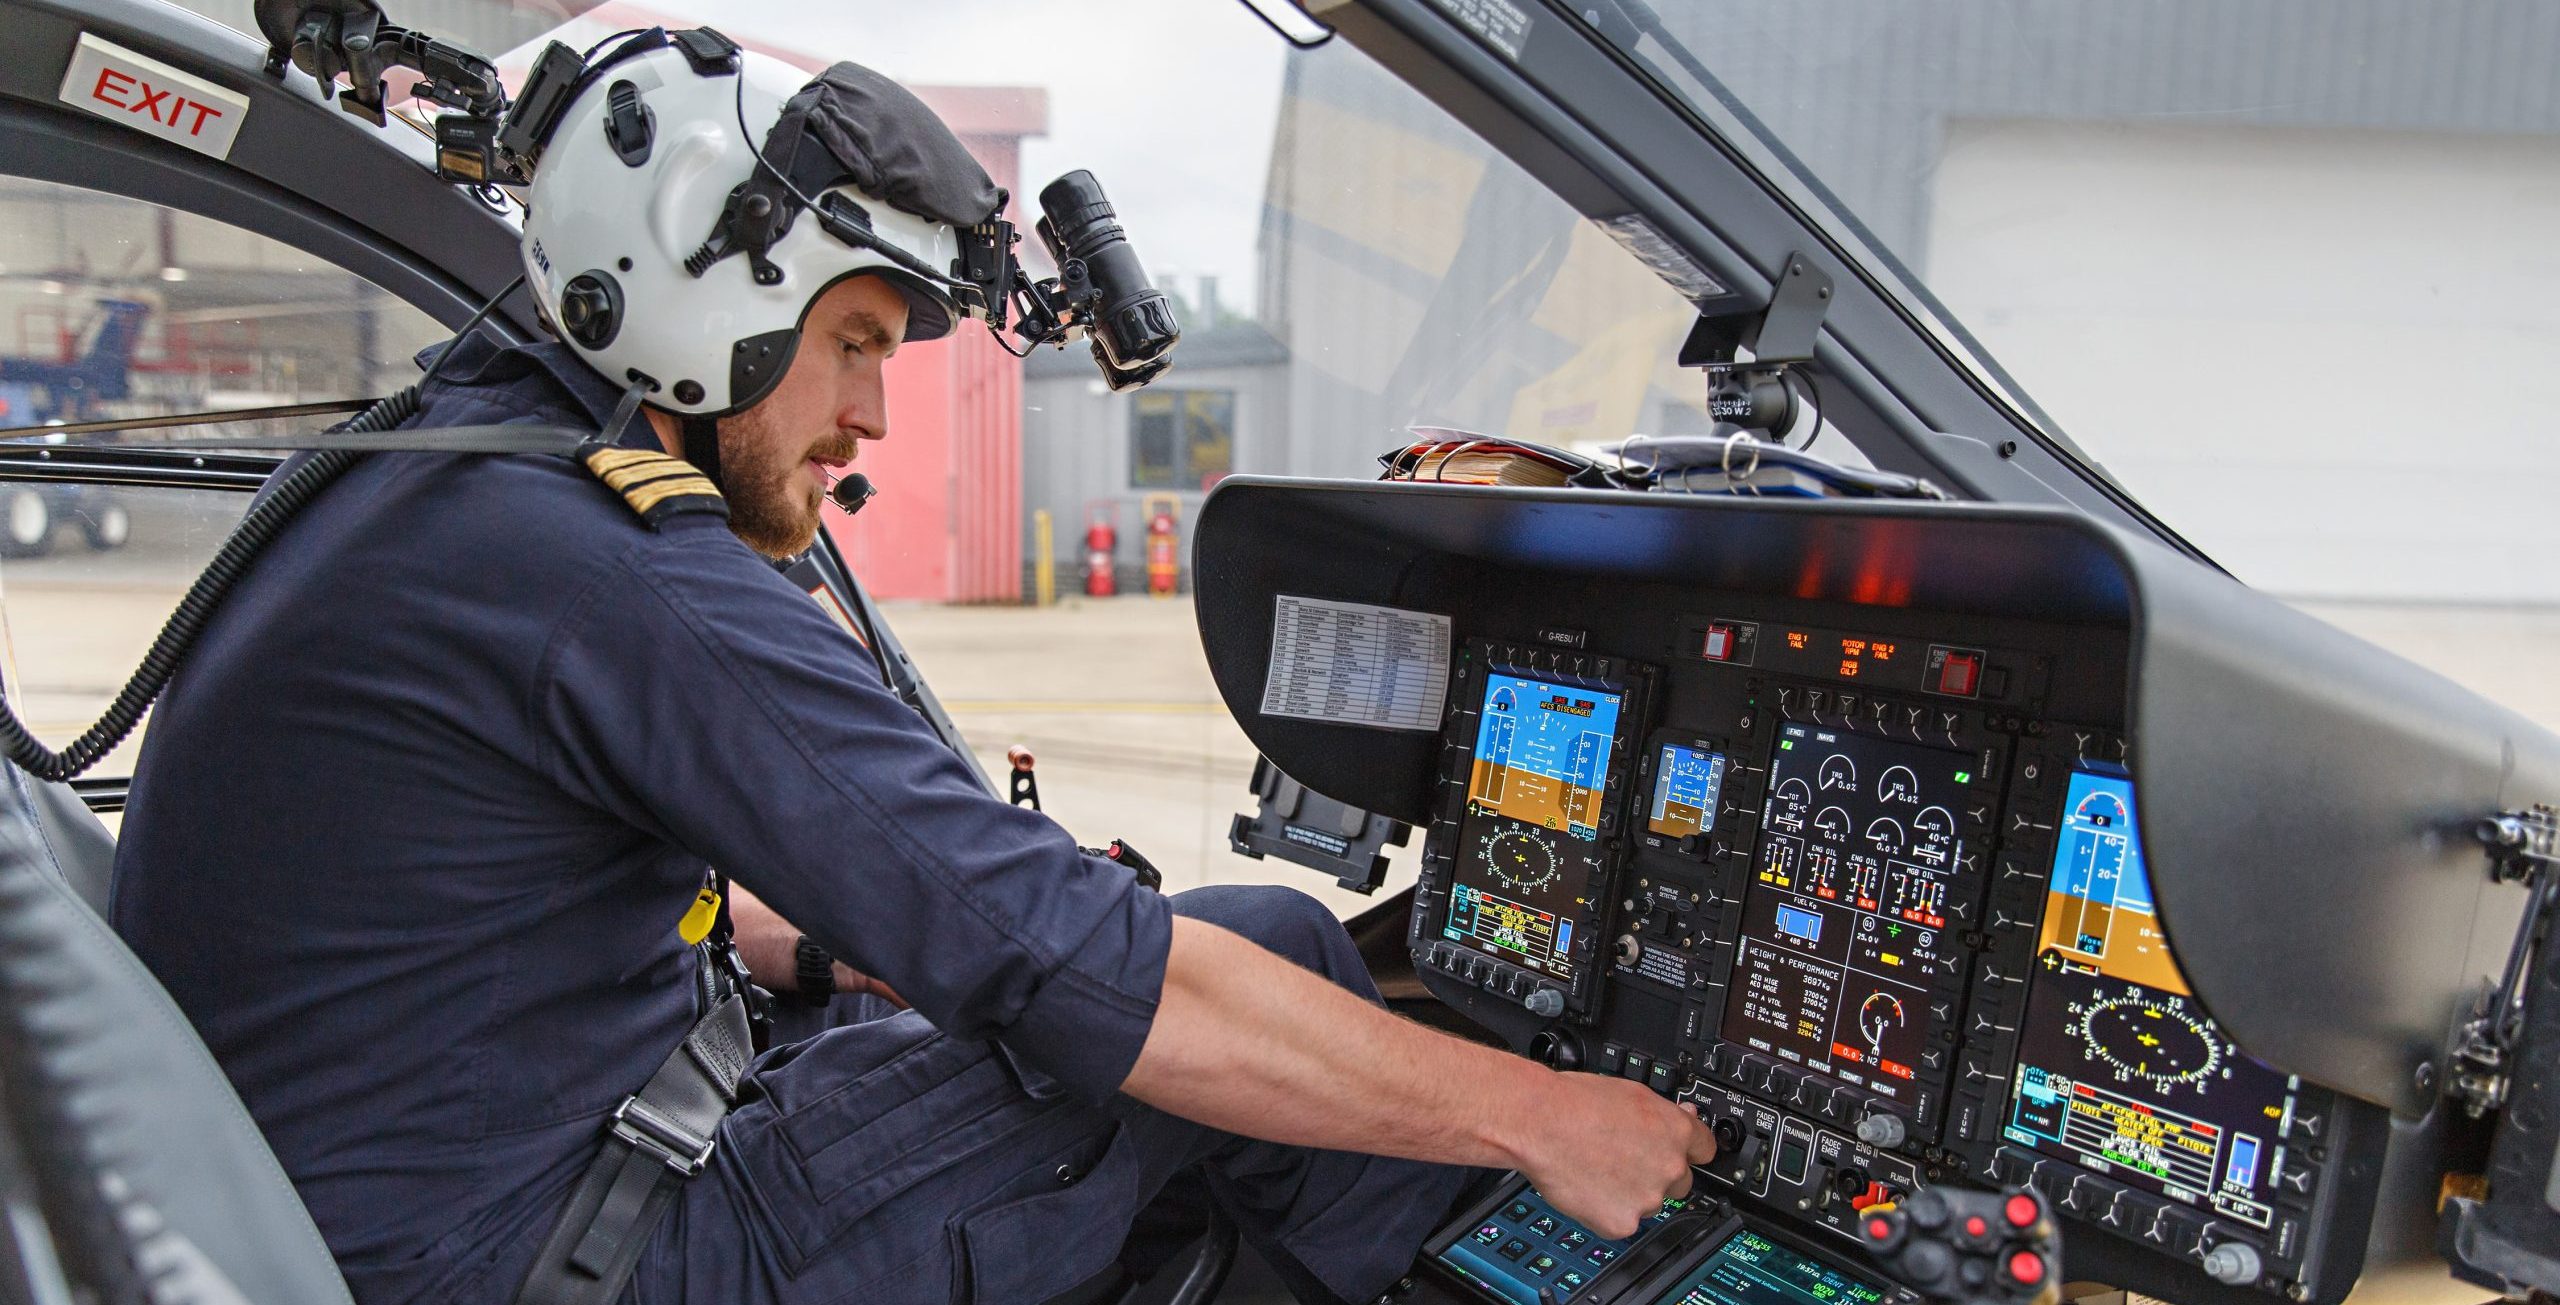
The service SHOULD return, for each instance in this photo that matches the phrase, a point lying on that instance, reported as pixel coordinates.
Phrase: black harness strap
(661, 1137)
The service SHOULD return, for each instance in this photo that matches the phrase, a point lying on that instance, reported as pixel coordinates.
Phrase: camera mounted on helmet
(689, 200)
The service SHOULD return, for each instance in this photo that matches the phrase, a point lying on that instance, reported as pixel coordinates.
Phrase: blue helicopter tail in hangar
(105, 371)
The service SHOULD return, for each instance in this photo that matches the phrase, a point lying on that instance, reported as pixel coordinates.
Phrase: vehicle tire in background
(106, 526)
(26, 522)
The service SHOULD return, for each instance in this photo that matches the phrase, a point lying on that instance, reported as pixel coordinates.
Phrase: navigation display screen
(1529, 841)
(1844, 927)
(1686, 782)
(1751, 1269)
(2118, 1069)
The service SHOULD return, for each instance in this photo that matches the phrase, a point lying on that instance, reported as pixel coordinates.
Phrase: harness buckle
(671, 1143)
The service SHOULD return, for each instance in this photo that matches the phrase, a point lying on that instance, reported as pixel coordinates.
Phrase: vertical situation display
(1528, 842)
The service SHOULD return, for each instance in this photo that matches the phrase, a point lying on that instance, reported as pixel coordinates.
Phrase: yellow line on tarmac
(1063, 707)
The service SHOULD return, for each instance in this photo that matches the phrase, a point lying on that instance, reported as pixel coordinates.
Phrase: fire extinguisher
(1101, 544)
(1164, 546)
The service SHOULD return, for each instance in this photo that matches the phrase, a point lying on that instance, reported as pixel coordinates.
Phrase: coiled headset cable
(265, 520)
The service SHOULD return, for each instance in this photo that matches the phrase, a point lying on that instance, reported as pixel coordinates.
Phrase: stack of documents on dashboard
(1462, 466)
(1461, 457)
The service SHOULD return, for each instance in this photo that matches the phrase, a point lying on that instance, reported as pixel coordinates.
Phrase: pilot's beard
(773, 505)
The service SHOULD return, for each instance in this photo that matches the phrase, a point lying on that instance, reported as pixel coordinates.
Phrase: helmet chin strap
(702, 447)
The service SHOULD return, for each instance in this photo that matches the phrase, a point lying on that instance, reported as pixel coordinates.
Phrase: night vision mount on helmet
(687, 200)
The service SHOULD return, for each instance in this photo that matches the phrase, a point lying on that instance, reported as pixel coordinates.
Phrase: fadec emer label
(152, 98)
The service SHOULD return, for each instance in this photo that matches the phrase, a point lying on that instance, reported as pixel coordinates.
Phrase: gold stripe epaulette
(655, 485)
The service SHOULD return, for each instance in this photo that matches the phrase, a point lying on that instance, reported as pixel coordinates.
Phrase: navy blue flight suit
(413, 828)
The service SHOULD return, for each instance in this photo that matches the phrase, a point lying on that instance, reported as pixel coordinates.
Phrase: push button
(1957, 674)
(2175, 1231)
(2309, 1123)
(2295, 1181)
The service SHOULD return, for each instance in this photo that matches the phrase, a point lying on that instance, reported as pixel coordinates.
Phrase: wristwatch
(814, 971)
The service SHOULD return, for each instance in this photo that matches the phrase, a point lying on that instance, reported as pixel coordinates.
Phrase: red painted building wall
(946, 525)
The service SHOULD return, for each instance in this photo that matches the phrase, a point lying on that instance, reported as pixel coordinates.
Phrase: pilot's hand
(1611, 1152)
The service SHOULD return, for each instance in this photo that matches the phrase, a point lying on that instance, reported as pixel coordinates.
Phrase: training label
(1355, 664)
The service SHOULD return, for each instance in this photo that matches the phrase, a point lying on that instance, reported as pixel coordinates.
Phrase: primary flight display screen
(1686, 782)
(1529, 840)
(2118, 1069)
(1844, 930)
(1750, 1269)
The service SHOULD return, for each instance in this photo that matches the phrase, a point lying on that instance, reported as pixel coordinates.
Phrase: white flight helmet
(633, 245)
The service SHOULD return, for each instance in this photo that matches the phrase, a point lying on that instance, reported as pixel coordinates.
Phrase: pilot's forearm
(769, 944)
(1246, 1041)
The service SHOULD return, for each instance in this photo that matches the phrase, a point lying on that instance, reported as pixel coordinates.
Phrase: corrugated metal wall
(1075, 452)
(1859, 89)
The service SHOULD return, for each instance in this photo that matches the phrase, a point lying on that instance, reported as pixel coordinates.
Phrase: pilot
(423, 835)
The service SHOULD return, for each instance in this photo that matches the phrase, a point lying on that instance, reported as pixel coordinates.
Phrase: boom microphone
(852, 492)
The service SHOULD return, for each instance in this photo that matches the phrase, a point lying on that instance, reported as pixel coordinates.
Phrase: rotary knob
(1545, 1003)
(2233, 1264)
(1882, 1130)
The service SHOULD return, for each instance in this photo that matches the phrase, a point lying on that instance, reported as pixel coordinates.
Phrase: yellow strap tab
(697, 921)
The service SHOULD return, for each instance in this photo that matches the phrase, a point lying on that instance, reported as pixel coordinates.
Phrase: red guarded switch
(1957, 675)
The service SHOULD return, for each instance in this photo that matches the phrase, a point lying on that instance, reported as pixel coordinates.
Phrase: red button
(1977, 1227)
(1879, 1229)
(2025, 1269)
(1956, 675)
(2020, 1210)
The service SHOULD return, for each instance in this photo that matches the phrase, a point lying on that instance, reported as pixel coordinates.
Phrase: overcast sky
(1170, 103)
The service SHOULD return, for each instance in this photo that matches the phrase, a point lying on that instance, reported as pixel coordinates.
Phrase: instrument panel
(1867, 887)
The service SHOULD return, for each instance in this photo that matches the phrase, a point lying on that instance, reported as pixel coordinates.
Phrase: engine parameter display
(1844, 929)
(1750, 1269)
(2118, 1068)
(1686, 783)
(1529, 841)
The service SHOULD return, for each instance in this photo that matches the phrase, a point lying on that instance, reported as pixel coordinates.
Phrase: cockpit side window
(115, 309)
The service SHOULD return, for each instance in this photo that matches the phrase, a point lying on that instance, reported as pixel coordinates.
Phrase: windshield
(2284, 270)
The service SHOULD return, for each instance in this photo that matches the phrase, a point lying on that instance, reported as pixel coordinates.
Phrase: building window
(1181, 439)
